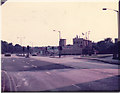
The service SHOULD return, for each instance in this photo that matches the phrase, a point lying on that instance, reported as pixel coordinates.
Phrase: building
(67, 50)
(78, 45)
(62, 42)
(75, 49)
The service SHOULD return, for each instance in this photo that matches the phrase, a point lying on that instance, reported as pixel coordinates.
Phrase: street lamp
(59, 43)
(110, 9)
(32, 51)
(118, 14)
(59, 34)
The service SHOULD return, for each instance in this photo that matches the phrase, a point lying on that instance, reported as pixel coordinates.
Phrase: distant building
(78, 45)
(67, 50)
(63, 42)
(75, 49)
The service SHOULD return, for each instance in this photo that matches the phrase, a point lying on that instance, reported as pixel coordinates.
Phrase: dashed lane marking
(34, 66)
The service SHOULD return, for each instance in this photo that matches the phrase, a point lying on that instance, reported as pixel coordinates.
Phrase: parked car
(7, 54)
(34, 54)
(18, 54)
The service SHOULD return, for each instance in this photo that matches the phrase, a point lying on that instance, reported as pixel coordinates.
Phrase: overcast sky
(36, 21)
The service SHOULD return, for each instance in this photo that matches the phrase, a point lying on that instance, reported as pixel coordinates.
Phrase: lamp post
(118, 15)
(59, 43)
(59, 34)
(32, 51)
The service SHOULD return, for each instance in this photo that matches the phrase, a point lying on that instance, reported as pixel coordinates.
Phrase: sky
(34, 22)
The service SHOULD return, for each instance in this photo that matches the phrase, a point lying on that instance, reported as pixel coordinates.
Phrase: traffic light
(28, 47)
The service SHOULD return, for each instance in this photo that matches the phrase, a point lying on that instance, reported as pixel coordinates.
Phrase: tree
(105, 46)
(4, 46)
(17, 48)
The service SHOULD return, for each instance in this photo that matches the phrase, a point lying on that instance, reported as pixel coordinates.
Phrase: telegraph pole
(119, 31)
(118, 42)
(88, 34)
(60, 47)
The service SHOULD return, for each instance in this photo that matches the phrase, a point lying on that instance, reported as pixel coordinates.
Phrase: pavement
(106, 58)
(44, 73)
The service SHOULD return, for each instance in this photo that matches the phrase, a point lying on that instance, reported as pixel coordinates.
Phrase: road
(58, 74)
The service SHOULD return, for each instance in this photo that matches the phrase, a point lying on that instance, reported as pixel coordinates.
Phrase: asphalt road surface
(57, 74)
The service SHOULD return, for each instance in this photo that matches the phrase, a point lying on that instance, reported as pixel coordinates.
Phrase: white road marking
(8, 80)
(23, 79)
(3, 88)
(18, 74)
(48, 72)
(14, 83)
(75, 85)
(27, 63)
(34, 66)
(26, 83)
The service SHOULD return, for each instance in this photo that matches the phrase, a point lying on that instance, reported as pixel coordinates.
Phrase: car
(18, 54)
(7, 54)
(22, 55)
(34, 54)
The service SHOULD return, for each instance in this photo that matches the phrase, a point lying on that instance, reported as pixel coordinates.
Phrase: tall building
(62, 42)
